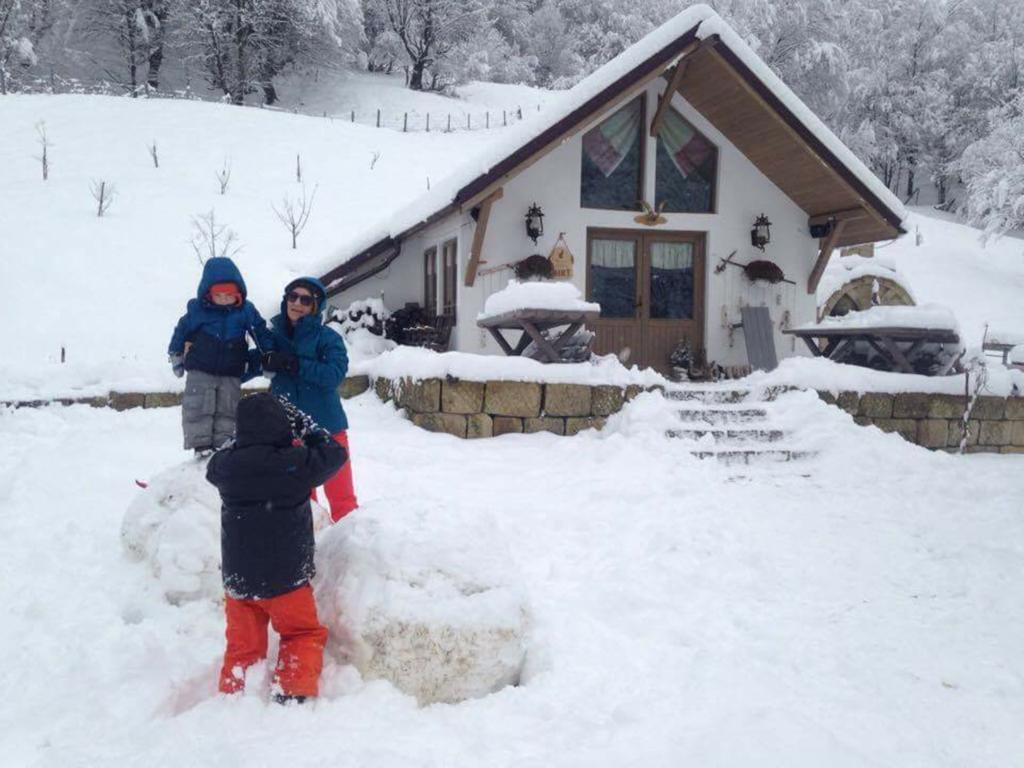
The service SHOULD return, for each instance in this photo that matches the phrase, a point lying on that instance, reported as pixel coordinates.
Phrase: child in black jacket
(267, 547)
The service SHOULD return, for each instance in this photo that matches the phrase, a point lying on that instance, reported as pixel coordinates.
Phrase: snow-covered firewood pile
(425, 597)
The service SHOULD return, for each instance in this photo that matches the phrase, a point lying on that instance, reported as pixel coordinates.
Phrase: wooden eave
(724, 90)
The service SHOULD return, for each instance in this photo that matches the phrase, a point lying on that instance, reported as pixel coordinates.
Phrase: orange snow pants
(301, 653)
(339, 490)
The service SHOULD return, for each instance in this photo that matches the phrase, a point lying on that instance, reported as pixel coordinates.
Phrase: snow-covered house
(688, 122)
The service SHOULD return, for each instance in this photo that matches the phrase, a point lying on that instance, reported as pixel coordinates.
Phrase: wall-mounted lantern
(534, 222)
(761, 233)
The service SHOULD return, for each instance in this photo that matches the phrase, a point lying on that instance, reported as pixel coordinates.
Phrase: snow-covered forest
(928, 92)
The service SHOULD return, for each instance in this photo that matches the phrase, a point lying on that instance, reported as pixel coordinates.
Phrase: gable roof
(725, 81)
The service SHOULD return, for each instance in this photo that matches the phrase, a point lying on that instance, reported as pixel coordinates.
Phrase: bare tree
(374, 158)
(294, 214)
(298, 168)
(224, 176)
(137, 28)
(103, 192)
(210, 239)
(44, 142)
(153, 154)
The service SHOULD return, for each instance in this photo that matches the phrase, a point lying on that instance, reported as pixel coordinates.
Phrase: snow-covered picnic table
(884, 329)
(533, 308)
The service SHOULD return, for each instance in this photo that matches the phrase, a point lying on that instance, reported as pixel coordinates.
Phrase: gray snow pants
(208, 409)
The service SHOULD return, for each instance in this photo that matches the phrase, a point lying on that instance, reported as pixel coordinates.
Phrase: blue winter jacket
(218, 333)
(323, 362)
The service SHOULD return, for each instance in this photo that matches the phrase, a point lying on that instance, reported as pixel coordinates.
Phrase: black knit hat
(262, 420)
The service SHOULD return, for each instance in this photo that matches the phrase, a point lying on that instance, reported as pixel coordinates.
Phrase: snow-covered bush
(425, 596)
(362, 324)
(173, 526)
(993, 172)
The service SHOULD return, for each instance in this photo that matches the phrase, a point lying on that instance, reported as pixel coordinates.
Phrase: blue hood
(220, 269)
(318, 291)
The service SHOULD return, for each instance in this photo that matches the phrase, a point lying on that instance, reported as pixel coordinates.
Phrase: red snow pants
(301, 653)
(339, 490)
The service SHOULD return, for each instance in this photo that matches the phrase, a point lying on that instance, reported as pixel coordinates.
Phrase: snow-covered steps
(753, 455)
(729, 435)
(717, 416)
(709, 395)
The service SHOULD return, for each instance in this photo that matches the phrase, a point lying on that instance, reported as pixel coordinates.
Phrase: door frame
(643, 238)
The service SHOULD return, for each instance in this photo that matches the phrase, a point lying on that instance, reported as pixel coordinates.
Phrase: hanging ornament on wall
(561, 259)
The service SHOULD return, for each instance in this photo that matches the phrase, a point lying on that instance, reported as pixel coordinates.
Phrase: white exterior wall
(743, 193)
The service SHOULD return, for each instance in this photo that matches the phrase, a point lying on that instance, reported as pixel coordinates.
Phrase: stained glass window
(612, 171)
(686, 167)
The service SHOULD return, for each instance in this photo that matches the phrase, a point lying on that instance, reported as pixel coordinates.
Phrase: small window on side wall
(430, 281)
(449, 255)
(686, 167)
(613, 160)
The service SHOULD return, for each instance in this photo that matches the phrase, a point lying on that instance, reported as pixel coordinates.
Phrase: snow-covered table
(532, 322)
(884, 329)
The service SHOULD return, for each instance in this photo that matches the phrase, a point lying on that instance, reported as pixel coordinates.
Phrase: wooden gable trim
(621, 91)
(479, 233)
(676, 79)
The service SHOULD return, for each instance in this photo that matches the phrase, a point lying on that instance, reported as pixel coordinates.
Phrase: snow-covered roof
(651, 55)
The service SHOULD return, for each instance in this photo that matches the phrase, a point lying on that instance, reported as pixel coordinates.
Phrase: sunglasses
(300, 298)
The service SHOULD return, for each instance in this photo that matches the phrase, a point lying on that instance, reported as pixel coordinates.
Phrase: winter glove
(283, 362)
(316, 437)
(177, 365)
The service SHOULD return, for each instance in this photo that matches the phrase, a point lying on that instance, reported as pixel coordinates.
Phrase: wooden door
(651, 289)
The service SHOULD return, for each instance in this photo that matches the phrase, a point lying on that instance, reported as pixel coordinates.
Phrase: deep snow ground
(859, 609)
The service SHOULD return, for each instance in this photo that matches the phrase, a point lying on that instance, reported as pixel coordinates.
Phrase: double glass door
(650, 286)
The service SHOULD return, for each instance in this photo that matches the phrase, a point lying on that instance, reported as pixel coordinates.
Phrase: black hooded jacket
(264, 482)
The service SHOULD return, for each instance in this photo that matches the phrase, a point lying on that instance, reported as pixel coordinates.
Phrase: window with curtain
(671, 281)
(612, 168)
(430, 281)
(613, 276)
(686, 167)
(449, 253)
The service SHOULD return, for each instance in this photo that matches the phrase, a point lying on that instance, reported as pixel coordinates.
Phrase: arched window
(613, 160)
(687, 165)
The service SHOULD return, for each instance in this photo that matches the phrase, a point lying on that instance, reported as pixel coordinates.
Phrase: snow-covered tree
(993, 172)
(135, 29)
(22, 24)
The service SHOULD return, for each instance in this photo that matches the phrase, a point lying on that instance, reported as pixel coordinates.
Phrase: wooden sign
(561, 259)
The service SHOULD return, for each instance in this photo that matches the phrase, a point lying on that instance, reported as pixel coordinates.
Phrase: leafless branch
(153, 154)
(103, 192)
(294, 214)
(224, 176)
(210, 239)
(44, 142)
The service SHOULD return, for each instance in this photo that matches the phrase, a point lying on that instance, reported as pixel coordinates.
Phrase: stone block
(459, 396)
(353, 386)
(863, 421)
(162, 400)
(606, 400)
(512, 398)
(1016, 432)
(384, 389)
(576, 425)
(566, 400)
(506, 425)
(956, 432)
(1012, 449)
(906, 428)
(97, 402)
(632, 390)
(982, 449)
(419, 396)
(946, 406)
(544, 424)
(877, 405)
(122, 401)
(827, 397)
(849, 402)
(910, 405)
(988, 408)
(450, 423)
(994, 433)
(479, 425)
(933, 433)
(1014, 409)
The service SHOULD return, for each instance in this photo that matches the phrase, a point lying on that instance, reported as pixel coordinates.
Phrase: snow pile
(1016, 356)
(927, 317)
(425, 596)
(560, 296)
(174, 527)
(418, 364)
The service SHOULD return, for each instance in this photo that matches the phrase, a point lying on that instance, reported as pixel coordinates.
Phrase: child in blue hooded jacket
(209, 342)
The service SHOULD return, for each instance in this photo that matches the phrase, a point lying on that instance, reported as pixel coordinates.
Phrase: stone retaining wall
(995, 424)
(489, 408)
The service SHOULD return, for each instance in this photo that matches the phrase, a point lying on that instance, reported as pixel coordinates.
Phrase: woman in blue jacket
(308, 363)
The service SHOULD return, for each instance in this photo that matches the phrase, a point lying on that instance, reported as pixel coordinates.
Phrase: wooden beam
(782, 121)
(828, 244)
(853, 214)
(621, 98)
(674, 81)
(479, 234)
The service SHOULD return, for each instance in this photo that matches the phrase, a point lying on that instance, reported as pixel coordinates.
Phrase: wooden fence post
(428, 122)
(405, 123)
(378, 118)
(519, 113)
(469, 126)
(487, 119)
(504, 117)
(449, 122)
(353, 115)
